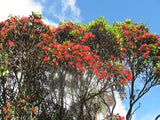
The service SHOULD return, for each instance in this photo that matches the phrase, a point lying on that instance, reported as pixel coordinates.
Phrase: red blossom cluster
(87, 35)
(78, 55)
(114, 117)
(138, 39)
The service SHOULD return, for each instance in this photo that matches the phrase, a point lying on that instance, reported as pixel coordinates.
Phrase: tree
(72, 71)
(72, 47)
(141, 56)
(19, 39)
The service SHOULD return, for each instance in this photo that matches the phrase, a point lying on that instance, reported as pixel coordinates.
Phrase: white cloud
(22, 8)
(71, 5)
(65, 10)
(18, 7)
(48, 22)
(61, 10)
(120, 108)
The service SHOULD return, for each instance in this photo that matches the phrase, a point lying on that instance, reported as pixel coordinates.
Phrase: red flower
(117, 40)
(144, 45)
(115, 68)
(144, 55)
(88, 35)
(122, 118)
(126, 36)
(124, 49)
(68, 56)
(46, 58)
(101, 76)
(121, 80)
(90, 63)
(102, 69)
(78, 64)
(126, 71)
(80, 29)
(125, 79)
(129, 43)
(129, 78)
(4, 109)
(10, 42)
(71, 63)
(130, 74)
(112, 56)
(112, 74)
(55, 52)
(49, 37)
(156, 44)
(96, 72)
(59, 55)
(75, 52)
(6, 101)
(8, 105)
(96, 56)
(41, 34)
(158, 68)
(7, 116)
(45, 48)
(108, 66)
(25, 18)
(108, 63)
(32, 109)
(78, 59)
(86, 57)
(100, 28)
(121, 72)
(101, 63)
(158, 57)
(62, 27)
(29, 97)
(55, 61)
(39, 44)
(21, 100)
(109, 75)
(81, 53)
(94, 68)
(104, 74)
(83, 40)
(82, 69)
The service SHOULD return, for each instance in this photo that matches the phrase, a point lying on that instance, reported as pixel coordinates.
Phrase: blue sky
(146, 11)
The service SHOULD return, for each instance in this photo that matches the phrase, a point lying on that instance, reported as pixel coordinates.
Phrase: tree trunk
(128, 116)
(60, 117)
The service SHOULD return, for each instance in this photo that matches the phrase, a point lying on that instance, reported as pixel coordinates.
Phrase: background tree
(141, 52)
(19, 39)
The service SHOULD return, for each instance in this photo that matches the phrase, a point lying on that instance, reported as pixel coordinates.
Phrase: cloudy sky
(146, 11)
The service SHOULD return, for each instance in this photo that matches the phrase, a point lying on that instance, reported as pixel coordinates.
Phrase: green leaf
(5, 72)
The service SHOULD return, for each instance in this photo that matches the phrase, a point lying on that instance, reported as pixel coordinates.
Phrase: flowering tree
(87, 73)
(72, 71)
(19, 37)
(141, 56)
